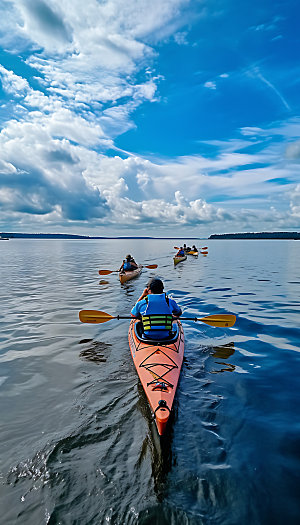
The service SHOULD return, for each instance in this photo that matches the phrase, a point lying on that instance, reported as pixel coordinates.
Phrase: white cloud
(181, 38)
(210, 85)
(295, 202)
(44, 23)
(13, 83)
(293, 151)
(92, 69)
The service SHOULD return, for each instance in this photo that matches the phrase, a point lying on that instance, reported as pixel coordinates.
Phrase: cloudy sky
(159, 118)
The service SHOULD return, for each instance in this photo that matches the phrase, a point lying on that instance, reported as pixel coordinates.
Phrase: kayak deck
(128, 275)
(158, 364)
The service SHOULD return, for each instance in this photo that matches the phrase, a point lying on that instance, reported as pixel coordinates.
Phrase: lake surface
(78, 443)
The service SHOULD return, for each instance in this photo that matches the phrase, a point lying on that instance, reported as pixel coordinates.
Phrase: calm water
(78, 445)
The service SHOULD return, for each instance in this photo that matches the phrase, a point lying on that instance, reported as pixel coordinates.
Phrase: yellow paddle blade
(94, 316)
(226, 320)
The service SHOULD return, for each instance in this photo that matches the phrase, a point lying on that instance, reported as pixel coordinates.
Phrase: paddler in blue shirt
(180, 252)
(155, 304)
(128, 264)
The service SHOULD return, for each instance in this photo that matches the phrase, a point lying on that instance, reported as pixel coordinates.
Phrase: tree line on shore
(257, 235)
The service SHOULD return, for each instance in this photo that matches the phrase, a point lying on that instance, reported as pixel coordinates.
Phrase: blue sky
(158, 118)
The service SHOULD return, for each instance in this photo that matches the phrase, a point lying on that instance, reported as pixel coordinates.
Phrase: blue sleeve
(136, 310)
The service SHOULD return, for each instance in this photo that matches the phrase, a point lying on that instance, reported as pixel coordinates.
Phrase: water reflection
(160, 447)
(128, 288)
(223, 352)
(95, 351)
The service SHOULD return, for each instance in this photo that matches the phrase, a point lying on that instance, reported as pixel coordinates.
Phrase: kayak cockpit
(139, 333)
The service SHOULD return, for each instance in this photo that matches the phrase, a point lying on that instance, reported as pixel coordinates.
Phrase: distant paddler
(129, 269)
(181, 252)
(128, 264)
(180, 256)
(193, 251)
(186, 248)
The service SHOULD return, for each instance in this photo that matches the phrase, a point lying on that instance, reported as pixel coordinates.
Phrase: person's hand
(145, 292)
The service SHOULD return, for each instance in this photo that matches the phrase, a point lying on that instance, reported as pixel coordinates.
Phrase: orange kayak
(158, 364)
(127, 276)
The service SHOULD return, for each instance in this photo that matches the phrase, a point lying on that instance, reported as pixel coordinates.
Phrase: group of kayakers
(183, 250)
(129, 264)
(154, 308)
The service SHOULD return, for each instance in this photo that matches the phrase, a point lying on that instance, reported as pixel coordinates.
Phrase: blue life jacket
(127, 265)
(157, 318)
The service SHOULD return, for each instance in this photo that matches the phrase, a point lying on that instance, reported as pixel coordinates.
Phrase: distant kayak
(193, 253)
(128, 275)
(158, 364)
(179, 259)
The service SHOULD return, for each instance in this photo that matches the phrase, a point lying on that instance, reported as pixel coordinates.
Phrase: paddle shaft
(95, 316)
(174, 318)
(107, 272)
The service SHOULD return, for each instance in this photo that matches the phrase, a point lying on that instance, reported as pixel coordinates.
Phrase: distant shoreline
(215, 236)
(258, 235)
(84, 237)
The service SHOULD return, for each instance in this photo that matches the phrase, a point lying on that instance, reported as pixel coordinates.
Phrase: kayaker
(153, 303)
(194, 249)
(128, 264)
(180, 252)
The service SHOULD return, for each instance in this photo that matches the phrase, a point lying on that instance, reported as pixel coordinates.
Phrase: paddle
(106, 272)
(95, 316)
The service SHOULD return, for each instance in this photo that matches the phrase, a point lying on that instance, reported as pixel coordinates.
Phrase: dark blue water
(78, 444)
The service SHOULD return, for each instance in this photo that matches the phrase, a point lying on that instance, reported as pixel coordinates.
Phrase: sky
(161, 118)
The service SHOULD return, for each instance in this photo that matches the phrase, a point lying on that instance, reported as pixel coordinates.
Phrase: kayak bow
(158, 364)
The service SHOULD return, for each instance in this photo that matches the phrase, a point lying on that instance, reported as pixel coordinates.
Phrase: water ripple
(78, 440)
